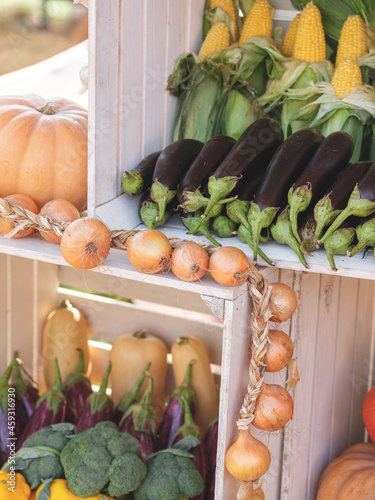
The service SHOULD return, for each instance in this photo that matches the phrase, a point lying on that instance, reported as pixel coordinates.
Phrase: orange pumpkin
(43, 149)
(368, 413)
(351, 475)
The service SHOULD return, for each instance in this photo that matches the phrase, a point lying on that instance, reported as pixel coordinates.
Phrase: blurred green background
(33, 30)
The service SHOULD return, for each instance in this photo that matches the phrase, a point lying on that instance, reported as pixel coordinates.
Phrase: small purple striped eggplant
(130, 397)
(98, 407)
(173, 417)
(139, 421)
(77, 388)
(26, 393)
(50, 409)
(210, 442)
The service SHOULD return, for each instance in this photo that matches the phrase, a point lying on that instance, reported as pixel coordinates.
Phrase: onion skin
(274, 408)
(149, 251)
(247, 459)
(279, 352)
(58, 211)
(229, 266)
(189, 261)
(23, 201)
(85, 243)
(283, 302)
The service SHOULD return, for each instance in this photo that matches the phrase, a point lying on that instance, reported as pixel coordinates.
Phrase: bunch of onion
(58, 211)
(274, 408)
(229, 266)
(279, 351)
(189, 261)
(283, 302)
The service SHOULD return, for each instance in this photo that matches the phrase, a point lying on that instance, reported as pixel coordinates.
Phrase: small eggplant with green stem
(238, 209)
(338, 243)
(224, 227)
(331, 157)
(246, 236)
(135, 181)
(26, 393)
(365, 232)
(190, 219)
(149, 211)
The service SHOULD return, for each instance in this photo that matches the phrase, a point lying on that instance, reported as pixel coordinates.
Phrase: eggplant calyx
(150, 215)
(143, 413)
(258, 220)
(237, 211)
(54, 397)
(189, 428)
(132, 182)
(161, 195)
(99, 400)
(133, 396)
(365, 235)
(323, 215)
(224, 227)
(78, 375)
(298, 199)
(193, 201)
(246, 236)
(185, 391)
(204, 231)
(19, 383)
(338, 244)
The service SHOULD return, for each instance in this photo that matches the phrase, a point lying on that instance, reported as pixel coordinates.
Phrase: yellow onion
(279, 351)
(283, 302)
(273, 409)
(247, 459)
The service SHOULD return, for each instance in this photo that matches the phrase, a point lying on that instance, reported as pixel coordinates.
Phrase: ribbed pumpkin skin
(351, 475)
(43, 155)
(368, 413)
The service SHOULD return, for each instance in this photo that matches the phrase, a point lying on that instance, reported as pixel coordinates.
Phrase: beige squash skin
(64, 331)
(43, 155)
(129, 356)
(202, 379)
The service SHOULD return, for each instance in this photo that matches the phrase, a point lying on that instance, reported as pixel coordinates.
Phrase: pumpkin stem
(47, 109)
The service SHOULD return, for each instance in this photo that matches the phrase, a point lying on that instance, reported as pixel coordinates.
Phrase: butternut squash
(184, 351)
(64, 331)
(129, 355)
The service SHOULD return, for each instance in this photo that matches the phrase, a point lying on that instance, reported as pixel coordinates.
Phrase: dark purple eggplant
(171, 166)
(189, 192)
(361, 202)
(331, 157)
(135, 181)
(50, 409)
(210, 443)
(224, 227)
(246, 236)
(286, 166)
(131, 397)
(337, 196)
(98, 407)
(77, 388)
(187, 430)
(340, 240)
(281, 231)
(9, 419)
(149, 211)
(26, 393)
(189, 220)
(173, 417)
(238, 209)
(139, 421)
(365, 231)
(251, 154)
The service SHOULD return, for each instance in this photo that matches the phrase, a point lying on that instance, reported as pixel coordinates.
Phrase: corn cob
(346, 78)
(290, 36)
(218, 38)
(352, 42)
(258, 21)
(310, 45)
(228, 7)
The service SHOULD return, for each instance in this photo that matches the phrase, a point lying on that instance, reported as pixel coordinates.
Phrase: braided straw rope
(259, 290)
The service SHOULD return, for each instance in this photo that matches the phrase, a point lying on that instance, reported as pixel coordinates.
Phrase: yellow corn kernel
(290, 36)
(346, 78)
(352, 42)
(228, 7)
(218, 38)
(310, 44)
(258, 21)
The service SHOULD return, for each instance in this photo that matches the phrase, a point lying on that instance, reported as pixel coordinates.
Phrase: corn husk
(239, 112)
(326, 112)
(367, 65)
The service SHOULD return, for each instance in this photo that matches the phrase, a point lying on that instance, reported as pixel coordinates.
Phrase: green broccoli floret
(102, 458)
(38, 459)
(170, 476)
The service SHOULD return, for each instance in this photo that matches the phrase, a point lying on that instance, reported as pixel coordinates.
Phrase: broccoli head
(103, 459)
(171, 475)
(38, 459)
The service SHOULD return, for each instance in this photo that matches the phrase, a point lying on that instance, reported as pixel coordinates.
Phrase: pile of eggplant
(302, 192)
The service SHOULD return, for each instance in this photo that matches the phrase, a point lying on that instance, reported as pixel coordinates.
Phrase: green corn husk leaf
(367, 65)
(182, 73)
(238, 112)
(212, 16)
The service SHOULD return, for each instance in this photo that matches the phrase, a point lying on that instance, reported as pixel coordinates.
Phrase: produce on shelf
(186, 350)
(137, 180)
(170, 474)
(139, 421)
(229, 266)
(173, 417)
(368, 413)
(61, 211)
(85, 243)
(42, 168)
(65, 331)
(283, 302)
(224, 227)
(365, 232)
(148, 211)
(77, 388)
(258, 21)
(59, 490)
(189, 261)
(287, 164)
(38, 460)
(98, 407)
(149, 251)
(19, 491)
(217, 39)
(131, 397)
(6, 431)
(26, 393)
(129, 355)
(7, 227)
(279, 351)
(191, 220)
(289, 38)
(210, 443)
(103, 457)
(351, 475)
(274, 408)
(346, 78)
(49, 410)
(352, 41)
(246, 236)
(339, 242)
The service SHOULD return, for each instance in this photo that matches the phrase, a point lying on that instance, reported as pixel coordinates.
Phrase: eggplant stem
(57, 386)
(293, 217)
(336, 224)
(103, 386)
(137, 386)
(357, 248)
